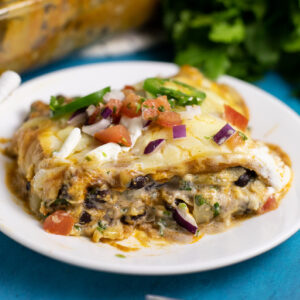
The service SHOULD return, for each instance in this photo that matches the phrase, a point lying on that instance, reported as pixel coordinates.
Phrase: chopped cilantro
(216, 209)
(172, 102)
(138, 107)
(167, 213)
(161, 228)
(101, 227)
(242, 135)
(104, 154)
(120, 256)
(56, 102)
(185, 186)
(60, 201)
(114, 109)
(161, 108)
(77, 227)
(200, 200)
(197, 234)
(208, 137)
(88, 158)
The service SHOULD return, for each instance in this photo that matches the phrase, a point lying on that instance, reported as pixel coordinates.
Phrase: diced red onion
(90, 110)
(190, 112)
(92, 129)
(118, 95)
(224, 134)
(179, 131)
(153, 146)
(106, 113)
(77, 112)
(184, 219)
(78, 117)
(147, 123)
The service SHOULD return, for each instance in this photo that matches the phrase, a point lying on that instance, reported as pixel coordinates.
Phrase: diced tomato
(168, 119)
(131, 106)
(162, 103)
(129, 87)
(115, 105)
(270, 204)
(60, 222)
(152, 107)
(95, 116)
(234, 141)
(235, 118)
(115, 134)
(149, 110)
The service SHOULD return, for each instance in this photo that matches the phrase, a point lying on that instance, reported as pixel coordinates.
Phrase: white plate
(271, 121)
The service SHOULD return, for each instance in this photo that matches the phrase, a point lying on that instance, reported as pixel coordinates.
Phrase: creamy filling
(149, 205)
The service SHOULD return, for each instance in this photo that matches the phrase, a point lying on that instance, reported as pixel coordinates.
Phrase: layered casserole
(171, 157)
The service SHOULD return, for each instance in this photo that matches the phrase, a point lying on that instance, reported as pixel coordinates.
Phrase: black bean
(124, 220)
(63, 192)
(60, 202)
(28, 186)
(154, 185)
(150, 186)
(138, 182)
(168, 206)
(245, 178)
(94, 197)
(138, 216)
(62, 197)
(178, 201)
(85, 218)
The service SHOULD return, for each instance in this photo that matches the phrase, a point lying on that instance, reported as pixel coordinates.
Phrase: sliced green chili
(156, 87)
(58, 109)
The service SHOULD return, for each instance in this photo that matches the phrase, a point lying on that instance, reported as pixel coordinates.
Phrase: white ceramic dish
(271, 121)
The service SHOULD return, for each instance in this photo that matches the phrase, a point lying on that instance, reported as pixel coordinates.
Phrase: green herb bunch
(242, 38)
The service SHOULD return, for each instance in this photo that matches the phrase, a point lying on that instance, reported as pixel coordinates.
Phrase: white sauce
(276, 172)
(110, 151)
(134, 126)
(106, 152)
(264, 163)
(69, 145)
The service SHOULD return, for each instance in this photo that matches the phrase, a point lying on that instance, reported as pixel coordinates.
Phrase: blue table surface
(25, 274)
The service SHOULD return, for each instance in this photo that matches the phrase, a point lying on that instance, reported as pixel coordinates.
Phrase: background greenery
(242, 38)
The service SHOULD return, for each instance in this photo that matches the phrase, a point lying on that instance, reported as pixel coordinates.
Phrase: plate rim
(135, 269)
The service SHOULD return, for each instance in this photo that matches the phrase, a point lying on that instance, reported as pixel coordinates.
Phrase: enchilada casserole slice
(170, 157)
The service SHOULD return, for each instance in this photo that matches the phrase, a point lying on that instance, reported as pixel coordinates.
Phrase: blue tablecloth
(25, 274)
